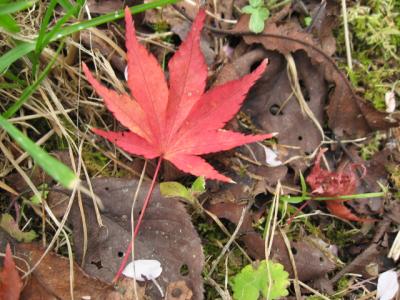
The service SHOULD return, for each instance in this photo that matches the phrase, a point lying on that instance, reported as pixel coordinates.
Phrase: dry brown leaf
(272, 105)
(107, 6)
(52, 277)
(348, 114)
(376, 174)
(93, 42)
(166, 235)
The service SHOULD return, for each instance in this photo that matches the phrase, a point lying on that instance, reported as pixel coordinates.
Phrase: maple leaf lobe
(181, 122)
(10, 281)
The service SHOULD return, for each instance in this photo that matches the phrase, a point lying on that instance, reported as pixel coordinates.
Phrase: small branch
(346, 35)
(139, 222)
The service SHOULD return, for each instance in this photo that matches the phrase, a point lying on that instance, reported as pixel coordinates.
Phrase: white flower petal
(388, 285)
(271, 157)
(143, 269)
(390, 102)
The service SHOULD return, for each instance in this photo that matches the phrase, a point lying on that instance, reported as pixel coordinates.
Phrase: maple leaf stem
(297, 212)
(139, 222)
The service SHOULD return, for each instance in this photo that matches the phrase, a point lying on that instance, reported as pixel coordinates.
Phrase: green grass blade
(8, 23)
(81, 2)
(15, 79)
(24, 48)
(110, 17)
(54, 33)
(297, 199)
(31, 88)
(303, 184)
(14, 54)
(60, 172)
(12, 7)
(45, 22)
(65, 4)
(42, 31)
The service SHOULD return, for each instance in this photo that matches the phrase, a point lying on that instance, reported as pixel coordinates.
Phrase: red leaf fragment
(331, 184)
(10, 282)
(180, 122)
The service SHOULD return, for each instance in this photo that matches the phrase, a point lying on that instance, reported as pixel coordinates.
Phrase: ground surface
(326, 86)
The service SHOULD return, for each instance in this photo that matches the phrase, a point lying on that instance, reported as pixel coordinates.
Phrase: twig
(346, 35)
(293, 262)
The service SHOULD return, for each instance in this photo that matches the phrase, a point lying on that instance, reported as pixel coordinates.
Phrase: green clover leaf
(250, 282)
(258, 14)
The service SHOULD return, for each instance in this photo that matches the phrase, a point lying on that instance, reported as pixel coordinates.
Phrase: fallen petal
(390, 102)
(271, 157)
(143, 269)
(388, 285)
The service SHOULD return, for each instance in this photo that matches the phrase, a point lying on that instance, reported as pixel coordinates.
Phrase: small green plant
(258, 14)
(175, 189)
(368, 150)
(44, 192)
(8, 224)
(266, 278)
(374, 26)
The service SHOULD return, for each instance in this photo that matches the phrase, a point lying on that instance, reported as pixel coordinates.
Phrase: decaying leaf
(52, 278)
(272, 104)
(359, 265)
(375, 177)
(10, 281)
(332, 184)
(107, 6)
(167, 235)
(94, 42)
(348, 114)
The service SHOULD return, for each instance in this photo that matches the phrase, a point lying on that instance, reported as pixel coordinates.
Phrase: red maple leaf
(10, 282)
(333, 184)
(180, 122)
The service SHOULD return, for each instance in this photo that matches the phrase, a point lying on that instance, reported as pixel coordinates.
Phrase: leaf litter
(168, 236)
(300, 66)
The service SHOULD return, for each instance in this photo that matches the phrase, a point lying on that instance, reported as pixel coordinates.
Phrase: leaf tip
(128, 18)
(87, 73)
(73, 184)
(263, 65)
(273, 134)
